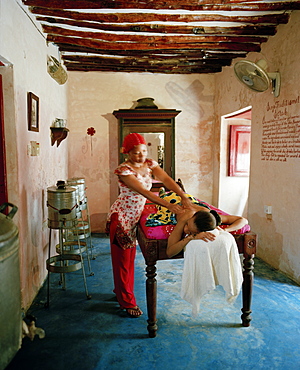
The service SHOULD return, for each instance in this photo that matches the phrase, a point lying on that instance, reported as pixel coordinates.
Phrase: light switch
(33, 148)
(268, 210)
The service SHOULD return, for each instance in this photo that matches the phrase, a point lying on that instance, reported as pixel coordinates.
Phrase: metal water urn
(62, 205)
(10, 293)
(79, 184)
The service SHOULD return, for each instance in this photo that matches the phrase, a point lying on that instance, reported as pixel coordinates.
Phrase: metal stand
(83, 230)
(86, 223)
(67, 252)
(83, 215)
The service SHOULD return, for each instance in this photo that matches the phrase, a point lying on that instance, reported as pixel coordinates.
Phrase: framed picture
(239, 150)
(33, 112)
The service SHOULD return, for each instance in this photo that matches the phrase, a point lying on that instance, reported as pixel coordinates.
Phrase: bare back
(189, 212)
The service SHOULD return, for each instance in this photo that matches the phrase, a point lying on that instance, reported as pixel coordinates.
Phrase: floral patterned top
(129, 205)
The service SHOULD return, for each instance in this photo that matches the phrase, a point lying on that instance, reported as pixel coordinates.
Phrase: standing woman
(135, 181)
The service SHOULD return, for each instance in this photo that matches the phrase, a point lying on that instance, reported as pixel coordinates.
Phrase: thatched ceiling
(158, 36)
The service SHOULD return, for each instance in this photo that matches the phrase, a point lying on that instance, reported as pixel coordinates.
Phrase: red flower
(91, 131)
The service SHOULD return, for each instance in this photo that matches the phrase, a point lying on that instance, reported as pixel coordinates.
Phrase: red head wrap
(131, 140)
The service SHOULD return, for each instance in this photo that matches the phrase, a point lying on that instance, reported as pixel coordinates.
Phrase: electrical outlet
(268, 210)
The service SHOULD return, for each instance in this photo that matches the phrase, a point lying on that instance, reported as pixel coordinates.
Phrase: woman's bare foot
(133, 311)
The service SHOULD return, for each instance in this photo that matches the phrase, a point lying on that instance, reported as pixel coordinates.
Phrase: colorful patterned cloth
(165, 217)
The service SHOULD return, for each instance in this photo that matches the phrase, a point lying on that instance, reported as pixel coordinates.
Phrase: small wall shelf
(58, 134)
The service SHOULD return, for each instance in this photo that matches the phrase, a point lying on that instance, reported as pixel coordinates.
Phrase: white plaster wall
(93, 96)
(24, 47)
(272, 183)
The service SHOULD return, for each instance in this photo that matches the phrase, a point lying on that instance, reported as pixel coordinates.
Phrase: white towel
(207, 264)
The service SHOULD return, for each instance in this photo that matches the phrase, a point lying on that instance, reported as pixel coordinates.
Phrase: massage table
(153, 244)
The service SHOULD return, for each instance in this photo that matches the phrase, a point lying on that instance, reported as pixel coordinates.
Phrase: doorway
(3, 185)
(233, 187)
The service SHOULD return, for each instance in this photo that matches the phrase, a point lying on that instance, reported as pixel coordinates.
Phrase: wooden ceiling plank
(146, 62)
(149, 66)
(199, 5)
(142, 59)
(159, 53)
(182, 70)
(161, 28)
(155, 17)
(52, 30)
(152, 46)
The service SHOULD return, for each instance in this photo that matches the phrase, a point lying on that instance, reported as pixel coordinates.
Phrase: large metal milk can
(79, 184)
(10, 292)
(62, 204)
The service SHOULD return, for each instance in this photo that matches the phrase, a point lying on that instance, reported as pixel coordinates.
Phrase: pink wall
(274, 180)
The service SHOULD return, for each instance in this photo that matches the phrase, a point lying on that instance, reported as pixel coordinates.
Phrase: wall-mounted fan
(254, 76)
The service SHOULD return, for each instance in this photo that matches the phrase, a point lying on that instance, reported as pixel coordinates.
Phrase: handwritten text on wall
(281, 131)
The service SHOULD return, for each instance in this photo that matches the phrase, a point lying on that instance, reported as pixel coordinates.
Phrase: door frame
(3, 175)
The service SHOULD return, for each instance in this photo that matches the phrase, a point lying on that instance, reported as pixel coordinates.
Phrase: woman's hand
(175, 208)
(186, 202)
(203, 235)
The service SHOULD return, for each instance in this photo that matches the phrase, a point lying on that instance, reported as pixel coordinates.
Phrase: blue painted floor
(94, 334)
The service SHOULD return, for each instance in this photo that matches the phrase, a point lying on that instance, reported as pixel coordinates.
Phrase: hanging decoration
(56, 70)
(91, 132)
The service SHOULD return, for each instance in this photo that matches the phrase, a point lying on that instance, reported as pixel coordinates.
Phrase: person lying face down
(232, 222)
(193, 225)
(163, 216)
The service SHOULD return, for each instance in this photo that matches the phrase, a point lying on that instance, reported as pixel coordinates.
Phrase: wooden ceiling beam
(159, 53)
(231, 46)
(216, 5)
(141, 59)
(162, 28)
(116, 37)
(157, 17)
(174, 70)
(143, 62)
(135, 53)
(146, 66)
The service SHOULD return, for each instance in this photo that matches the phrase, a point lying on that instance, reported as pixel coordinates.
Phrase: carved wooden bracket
(58, 134)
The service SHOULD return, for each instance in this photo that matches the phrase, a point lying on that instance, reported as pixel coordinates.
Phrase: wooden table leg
(247, 289)
(250, 241)
(151, 293)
